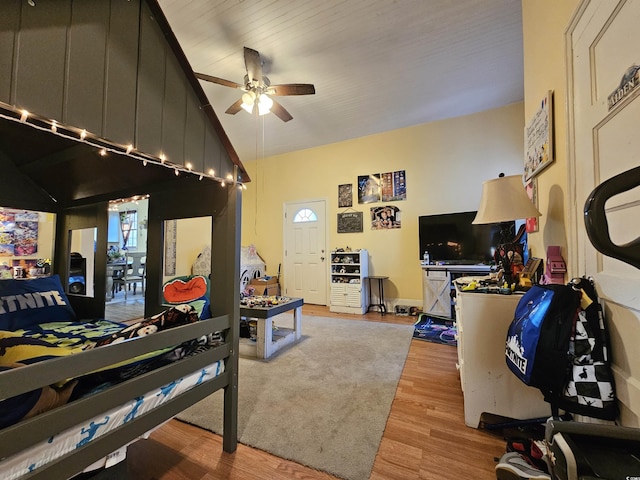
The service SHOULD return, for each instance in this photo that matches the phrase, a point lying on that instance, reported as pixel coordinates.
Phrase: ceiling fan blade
(292, 89)
(279, 111)
(219, 81)
(253, 63)
(235, 108)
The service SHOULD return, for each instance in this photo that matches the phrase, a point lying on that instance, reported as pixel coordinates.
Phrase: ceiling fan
(258, 89)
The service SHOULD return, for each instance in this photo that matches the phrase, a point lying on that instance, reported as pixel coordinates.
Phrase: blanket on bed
(43, 341)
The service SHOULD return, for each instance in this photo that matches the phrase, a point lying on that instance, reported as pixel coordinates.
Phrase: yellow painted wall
(445, 164)
(544, 25)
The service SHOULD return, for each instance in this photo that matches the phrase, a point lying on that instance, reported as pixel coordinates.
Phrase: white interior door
(604, 104)
(305, 271)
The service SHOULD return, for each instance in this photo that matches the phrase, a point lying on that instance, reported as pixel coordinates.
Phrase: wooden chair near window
(134, 273)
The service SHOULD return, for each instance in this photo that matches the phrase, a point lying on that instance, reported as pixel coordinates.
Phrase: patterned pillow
(25, 303)
(191, 290)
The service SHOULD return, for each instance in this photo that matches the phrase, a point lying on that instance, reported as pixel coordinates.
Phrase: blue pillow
(27, 303)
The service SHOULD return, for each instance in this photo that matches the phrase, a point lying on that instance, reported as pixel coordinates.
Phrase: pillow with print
(30, 302)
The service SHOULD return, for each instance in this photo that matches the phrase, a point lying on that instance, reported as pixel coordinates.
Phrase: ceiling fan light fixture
(247, 108)
(257, 87)
(248, 101)
(249, 98)
(264, 104)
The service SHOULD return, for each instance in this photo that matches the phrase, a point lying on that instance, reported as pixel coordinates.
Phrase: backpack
(557, 343)
(538, 337)
(589, 388)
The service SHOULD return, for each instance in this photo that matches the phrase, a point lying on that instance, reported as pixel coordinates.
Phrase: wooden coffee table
(269, 341)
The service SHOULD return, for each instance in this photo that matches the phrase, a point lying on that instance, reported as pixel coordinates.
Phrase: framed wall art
(538, 137)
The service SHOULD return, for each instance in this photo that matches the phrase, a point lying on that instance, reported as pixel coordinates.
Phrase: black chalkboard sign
(350, 222)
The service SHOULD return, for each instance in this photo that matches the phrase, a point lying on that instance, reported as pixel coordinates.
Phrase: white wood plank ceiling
(377, 65)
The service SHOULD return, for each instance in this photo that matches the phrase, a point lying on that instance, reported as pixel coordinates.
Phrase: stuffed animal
(32, 403)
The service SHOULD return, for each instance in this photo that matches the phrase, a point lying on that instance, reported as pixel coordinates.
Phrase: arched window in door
(305, 215)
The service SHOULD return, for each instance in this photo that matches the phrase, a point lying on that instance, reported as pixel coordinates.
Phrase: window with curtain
(129, 229)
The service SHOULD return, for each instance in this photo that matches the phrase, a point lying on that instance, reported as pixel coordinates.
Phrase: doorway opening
(126, 258)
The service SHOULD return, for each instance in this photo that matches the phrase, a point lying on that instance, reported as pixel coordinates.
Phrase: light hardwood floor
(425, 437)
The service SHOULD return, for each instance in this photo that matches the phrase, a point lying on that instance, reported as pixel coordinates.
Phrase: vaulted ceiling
(377, 65)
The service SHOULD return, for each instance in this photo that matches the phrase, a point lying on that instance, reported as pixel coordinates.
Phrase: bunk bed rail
(27, 432)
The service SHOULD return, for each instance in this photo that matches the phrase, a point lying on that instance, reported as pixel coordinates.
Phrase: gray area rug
(322, 402)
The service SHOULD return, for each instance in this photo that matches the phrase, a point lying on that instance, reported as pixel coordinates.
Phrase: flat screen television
(451, 238)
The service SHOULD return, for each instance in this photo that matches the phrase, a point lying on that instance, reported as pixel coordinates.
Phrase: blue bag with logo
(538, 337)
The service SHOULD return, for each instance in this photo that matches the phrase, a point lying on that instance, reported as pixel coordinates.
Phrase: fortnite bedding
(37, 324)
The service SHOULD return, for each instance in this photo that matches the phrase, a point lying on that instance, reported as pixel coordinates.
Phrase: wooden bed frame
(43, 170)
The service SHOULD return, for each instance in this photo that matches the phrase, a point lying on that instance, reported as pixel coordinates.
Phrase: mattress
(48, 450)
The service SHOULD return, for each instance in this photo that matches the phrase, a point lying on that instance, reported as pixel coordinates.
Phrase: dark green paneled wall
(107, 67)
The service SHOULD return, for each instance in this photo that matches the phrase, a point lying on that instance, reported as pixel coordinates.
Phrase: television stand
(438, 290)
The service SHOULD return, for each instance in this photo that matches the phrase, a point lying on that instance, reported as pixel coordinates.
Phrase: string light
(103, 147)
(136, 199)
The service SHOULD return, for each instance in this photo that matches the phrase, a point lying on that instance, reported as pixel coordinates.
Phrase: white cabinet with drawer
(487, 383)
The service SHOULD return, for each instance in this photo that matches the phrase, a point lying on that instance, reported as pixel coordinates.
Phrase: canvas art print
(18, 233)
(385, 217)
(369, 188)
(345, 195)
(394, 186)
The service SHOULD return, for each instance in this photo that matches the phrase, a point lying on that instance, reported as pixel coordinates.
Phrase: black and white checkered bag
(589, 389)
